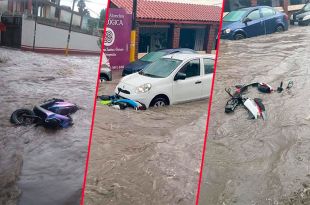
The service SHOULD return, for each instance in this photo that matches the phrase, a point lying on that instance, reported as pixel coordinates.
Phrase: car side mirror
(180, 76)
(246, 20)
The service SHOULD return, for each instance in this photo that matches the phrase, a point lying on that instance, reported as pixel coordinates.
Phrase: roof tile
(159, 10)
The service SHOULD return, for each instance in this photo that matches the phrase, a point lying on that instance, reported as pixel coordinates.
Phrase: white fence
(53, 40)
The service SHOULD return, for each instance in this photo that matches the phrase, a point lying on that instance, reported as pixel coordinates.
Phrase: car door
(208, 70)
(254, 27)
(269, 19)
(189, 88)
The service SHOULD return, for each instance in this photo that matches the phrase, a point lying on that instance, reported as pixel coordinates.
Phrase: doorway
(13, 34)
(187, 38)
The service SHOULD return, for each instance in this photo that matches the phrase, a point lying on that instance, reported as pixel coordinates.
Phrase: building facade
(162, 25)
(46, 15)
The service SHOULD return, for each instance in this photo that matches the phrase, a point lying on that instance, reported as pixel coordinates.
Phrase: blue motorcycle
(53, 113)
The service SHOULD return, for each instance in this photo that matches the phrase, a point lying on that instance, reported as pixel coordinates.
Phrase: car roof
(253, 8)
(170, 50)
(186, 56)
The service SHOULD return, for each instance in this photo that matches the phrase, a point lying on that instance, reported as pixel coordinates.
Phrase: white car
(171, 79)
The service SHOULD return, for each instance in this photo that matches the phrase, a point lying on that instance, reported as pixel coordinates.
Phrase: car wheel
(279, 29)
(239, 36)
(159, 102)
(103, 79)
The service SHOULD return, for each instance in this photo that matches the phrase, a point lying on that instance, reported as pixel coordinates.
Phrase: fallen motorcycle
(255, 106)
(53, 113)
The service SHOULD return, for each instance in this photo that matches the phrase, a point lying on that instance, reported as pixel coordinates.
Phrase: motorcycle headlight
(143, 88)
(227, 30)
(306, 18)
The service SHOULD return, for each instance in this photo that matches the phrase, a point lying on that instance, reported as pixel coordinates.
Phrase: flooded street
(254, 161)
(40, 166)
(145, 157)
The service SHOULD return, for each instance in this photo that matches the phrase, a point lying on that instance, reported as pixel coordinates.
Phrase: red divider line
(95, 103)
(209, 107)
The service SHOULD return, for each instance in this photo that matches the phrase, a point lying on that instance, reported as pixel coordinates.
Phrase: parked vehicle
(151, 57)
(171, 79)
(105, 72)
(253, 21)
(301, 17)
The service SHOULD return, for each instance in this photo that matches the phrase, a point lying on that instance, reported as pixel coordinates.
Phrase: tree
(102, 18)
(86, 12)
(101, 25)
(81, 6)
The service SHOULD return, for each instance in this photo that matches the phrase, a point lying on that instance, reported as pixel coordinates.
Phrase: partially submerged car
(171, 79)
(301, 17)
(105, 71)
(151, 57)
(253, 21)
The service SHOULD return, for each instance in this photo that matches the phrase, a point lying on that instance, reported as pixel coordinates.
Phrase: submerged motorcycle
(53, 113)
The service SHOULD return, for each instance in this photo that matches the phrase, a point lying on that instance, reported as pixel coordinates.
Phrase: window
(254, 15)
(307, 7)
(153, 56)
(209, 65)
(57, 12)
(268, 12)
(161, 68)
(191, 69)
(234, 15)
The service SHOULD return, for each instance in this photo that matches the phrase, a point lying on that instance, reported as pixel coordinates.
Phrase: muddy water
(145, 157)
(255, 161)
(40, 166)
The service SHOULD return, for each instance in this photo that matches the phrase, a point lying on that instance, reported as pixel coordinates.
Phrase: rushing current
(255, 161)
(145, 157)
(40, 166)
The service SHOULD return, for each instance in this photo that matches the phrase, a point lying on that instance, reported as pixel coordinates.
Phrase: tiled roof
(159, 10)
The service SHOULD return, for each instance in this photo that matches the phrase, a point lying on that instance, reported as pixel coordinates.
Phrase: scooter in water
(255, 106)
(53, 113)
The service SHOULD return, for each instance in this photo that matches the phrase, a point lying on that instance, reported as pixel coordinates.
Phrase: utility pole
(133, 32)
(35, 25)
(68, 39)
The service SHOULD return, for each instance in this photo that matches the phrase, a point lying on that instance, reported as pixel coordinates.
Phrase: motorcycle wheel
(22, 117)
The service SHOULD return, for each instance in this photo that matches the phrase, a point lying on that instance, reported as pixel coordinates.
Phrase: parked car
(253, 21)
(171, 79)
(105, 71)
(151, 57)
(301, 17)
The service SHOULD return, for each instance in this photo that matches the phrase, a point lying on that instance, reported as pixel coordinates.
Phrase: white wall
(65, 16)
(3, 5)
(56, 38)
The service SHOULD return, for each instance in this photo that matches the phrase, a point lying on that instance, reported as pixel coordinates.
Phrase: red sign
(117, 39)
(2, 27)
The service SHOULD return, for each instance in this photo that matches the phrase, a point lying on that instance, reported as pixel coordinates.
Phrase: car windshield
(235, 15)
(161, 68)
(306, 7)
(153, 56)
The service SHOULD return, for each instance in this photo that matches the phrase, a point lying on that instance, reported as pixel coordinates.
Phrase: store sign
(117, 39)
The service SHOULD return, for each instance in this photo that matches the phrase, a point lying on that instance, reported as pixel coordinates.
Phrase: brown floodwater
(145, 157)
(256, 162)
(39, 166)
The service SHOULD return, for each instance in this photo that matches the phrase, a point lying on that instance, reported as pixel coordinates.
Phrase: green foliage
(101, 25)
(81, 6)
(102, 18)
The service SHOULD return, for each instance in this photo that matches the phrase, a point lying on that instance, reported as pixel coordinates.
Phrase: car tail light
(286, 17)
